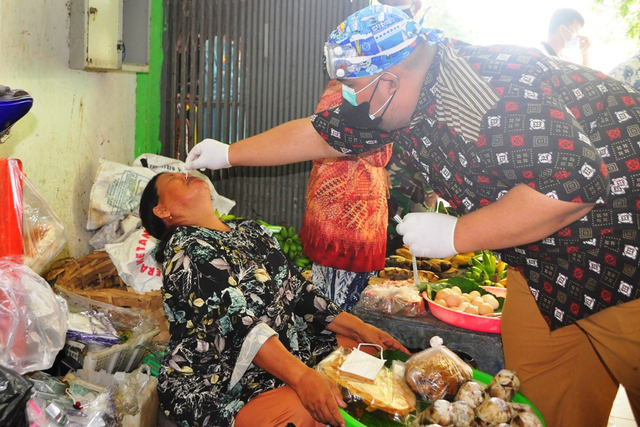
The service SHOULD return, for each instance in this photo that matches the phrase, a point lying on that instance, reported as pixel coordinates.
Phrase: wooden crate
(94, 276)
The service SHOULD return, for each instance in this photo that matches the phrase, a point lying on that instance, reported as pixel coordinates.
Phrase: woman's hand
(352, 327)
(320, 396)
(370, 334)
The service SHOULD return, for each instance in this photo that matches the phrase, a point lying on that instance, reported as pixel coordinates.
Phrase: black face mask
(357, 116)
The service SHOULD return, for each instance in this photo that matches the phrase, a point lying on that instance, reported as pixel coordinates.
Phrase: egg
(477, 301)
(463, 306)
(472, 309)
(490, 299)
(441, 302)
(443, 293)
(485, 308)
(466, 297)
(456, 290)
(474, 294)
(453, 300)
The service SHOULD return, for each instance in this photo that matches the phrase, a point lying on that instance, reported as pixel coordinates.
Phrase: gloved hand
(428, 234)
(208, 153)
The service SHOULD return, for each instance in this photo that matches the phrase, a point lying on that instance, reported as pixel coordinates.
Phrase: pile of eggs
(472, 303)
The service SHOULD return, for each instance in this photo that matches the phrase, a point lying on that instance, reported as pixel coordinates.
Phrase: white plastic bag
(135, 263)
(33, 320)
(116, 191)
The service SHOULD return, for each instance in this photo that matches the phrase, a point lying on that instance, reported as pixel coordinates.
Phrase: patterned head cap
(372, 40)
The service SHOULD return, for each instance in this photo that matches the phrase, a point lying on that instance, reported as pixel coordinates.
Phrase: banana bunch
(292, 246)
(486, 270)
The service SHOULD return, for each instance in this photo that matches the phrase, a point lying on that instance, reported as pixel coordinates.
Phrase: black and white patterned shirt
(568, 131)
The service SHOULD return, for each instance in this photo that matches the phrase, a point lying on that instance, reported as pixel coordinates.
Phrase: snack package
(387, 392)
(396, 297)
(437, 372)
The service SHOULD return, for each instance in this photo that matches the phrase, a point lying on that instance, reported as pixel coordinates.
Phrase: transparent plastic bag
(437, 372)
(33, 320)
(43, 233)
(387, 392)
(396, 297)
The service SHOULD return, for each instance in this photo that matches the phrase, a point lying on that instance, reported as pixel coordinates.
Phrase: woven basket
(95, 277)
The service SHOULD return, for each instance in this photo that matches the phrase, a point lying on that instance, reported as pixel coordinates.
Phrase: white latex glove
(428, 234)
(208, 153)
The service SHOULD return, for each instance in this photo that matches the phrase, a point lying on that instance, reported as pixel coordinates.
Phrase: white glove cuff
(224, 160)
(447, 232)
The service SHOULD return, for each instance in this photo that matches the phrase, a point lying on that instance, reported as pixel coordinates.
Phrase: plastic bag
(14, 395)
(135, 263)
(116, 191)
(160, 164)
(33, 320)
(116, 231)
(437, 372)
(396, 297)
(43, 233)
(387, 392)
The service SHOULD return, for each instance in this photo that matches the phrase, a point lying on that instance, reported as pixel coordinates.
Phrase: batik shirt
(226, 293)
(568, 131)
(628, 72)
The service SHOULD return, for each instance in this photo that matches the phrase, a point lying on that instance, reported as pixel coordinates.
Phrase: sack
(33, 320)
(116, 191)
(135, 263)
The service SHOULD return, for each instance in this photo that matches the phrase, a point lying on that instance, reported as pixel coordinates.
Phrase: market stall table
(415, 333)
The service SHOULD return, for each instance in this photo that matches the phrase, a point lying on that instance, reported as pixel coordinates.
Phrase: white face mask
(573, 40)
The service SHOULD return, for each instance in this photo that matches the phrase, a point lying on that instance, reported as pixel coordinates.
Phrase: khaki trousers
(572, 374)
(281, 406)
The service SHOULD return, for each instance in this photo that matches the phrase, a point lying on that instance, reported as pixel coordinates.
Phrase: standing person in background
(628, 71)
(344, 230)
(563, 36)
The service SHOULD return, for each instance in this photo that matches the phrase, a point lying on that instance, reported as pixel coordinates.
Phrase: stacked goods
(486, 270)
(95, 277)
(400, 266)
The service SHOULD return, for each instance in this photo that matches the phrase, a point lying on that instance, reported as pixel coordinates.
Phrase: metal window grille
(235, 68)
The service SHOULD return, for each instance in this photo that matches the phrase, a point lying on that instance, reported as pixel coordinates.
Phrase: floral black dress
(225, 294)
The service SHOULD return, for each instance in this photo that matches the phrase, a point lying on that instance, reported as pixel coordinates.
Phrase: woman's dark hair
(150, 221)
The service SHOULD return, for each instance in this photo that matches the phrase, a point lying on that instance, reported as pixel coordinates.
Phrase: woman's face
(178, 193)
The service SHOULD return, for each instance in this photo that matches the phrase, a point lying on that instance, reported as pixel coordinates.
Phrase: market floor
(621, 415)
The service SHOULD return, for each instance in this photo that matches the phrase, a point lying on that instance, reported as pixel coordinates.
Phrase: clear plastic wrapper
(505, 384)
(437, 372)
(43, 233)
(33, 320)
(387, 392)
(92, 326)
(396, 297)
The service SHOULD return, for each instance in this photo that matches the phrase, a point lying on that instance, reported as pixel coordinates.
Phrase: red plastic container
(11, 208)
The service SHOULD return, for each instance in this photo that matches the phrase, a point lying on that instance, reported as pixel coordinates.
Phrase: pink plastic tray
(473, 322)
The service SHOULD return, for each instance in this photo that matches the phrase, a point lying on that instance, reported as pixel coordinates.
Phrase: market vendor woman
(246, 327)
(542, 160)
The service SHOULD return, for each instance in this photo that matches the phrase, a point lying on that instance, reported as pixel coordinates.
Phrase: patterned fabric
(224, 292)
(343, 287)
(567, 131)
(628, 71)
(345, 219)
(372, 40)
(409, 192)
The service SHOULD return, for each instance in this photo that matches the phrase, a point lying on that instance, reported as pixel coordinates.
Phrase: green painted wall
(148, 89)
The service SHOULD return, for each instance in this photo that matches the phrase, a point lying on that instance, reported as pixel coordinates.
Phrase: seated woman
(246, 328)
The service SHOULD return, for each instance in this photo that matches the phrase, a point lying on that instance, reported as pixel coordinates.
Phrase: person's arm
(291, 142)
(319, 395)
(585, 43)
(522, 216)
(352, 327)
